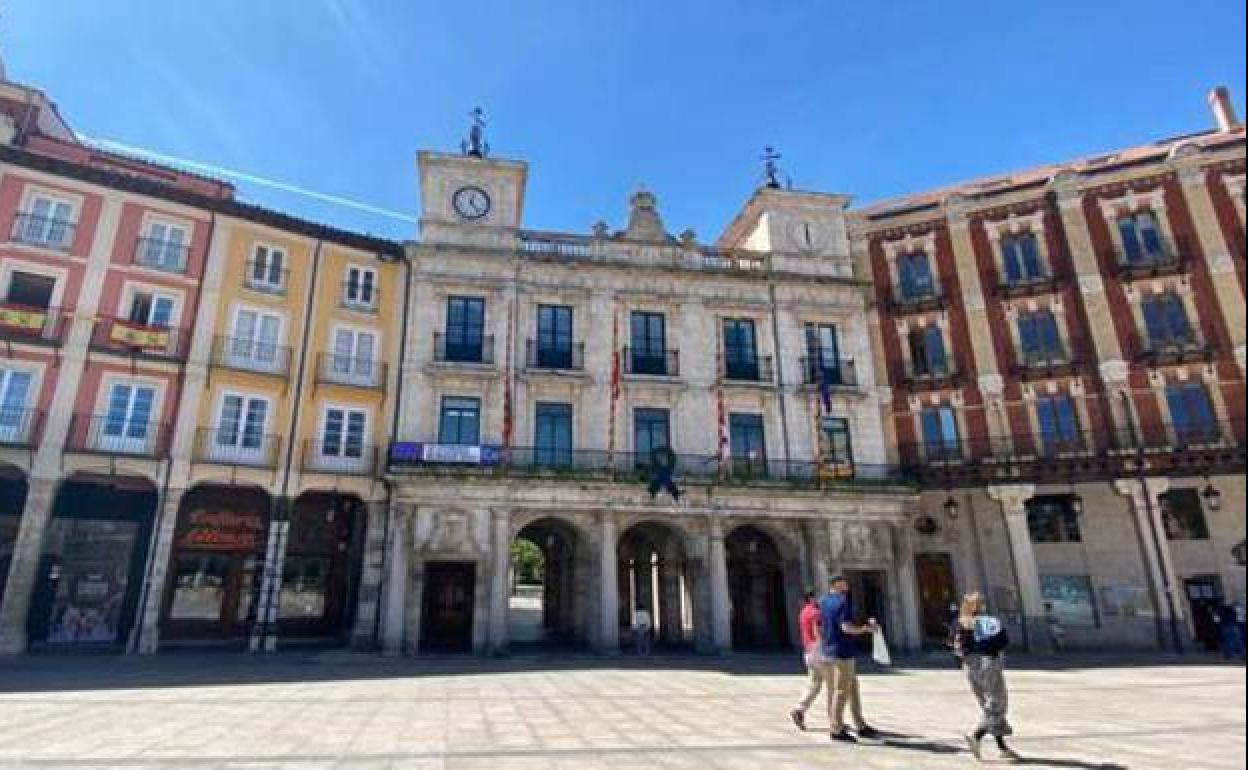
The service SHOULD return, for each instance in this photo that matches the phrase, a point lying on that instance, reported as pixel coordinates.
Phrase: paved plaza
(327, 710)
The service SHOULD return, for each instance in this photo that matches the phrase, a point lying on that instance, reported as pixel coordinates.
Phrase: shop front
(217, 559)
(12, 502)
(321, 565)
(91, 565)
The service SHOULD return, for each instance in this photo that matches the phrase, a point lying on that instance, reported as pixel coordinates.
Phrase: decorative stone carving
(449, 532)
(1114, 372)
(1222, 264)
(1091, 283)
(991, 385)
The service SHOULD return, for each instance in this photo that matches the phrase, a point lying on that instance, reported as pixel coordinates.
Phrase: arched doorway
(654, 575)
(550, 575)
(756, 590)
(91, 562)
(321, 566)
(216, 564)
(13, 488)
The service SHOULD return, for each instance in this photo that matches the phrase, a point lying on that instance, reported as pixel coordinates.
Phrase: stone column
(394, 591)
(1013, 499)
(908, 590)
(669, 602)
(1145, 506)
(608, 587)
(162, 551)
(817, 549)
(24, 566)
(721, 605)
(1217, 252)
(500, 588)
(967, 268)
(268, 608)
(365, 633)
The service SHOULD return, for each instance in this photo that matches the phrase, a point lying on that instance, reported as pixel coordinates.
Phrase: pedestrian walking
(812, 656)
(839, 644)
(980, 644)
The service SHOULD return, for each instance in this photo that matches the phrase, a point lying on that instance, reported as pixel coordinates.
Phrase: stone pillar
(1013, 499)
(608, 587)
(365, 633)
(1213, 244)
(908, 590)
(394, 593)
(268, 608)
(817, 550)
(149, 614)
(721, 604)
(24, 566)
(500, 585)
(1145, 506)
(669, 602)
(967, 269)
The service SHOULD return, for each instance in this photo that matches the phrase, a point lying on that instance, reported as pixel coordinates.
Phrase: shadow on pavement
(1055, 762)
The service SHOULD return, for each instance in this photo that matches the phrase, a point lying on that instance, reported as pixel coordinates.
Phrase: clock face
(471, 202)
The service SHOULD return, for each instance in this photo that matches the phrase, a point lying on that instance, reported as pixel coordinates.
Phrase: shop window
(1053, 519)
(1183, 516)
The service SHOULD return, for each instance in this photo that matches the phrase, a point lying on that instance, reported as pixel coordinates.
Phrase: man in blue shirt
(839, 648)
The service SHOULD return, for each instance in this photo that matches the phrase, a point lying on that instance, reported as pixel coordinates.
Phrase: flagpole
(615, 387)
(507, 382)
(721, 417)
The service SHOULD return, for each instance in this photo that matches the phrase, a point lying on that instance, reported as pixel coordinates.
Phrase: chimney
(1223, 110)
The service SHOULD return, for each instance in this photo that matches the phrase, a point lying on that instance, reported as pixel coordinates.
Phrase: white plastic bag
(879, 648)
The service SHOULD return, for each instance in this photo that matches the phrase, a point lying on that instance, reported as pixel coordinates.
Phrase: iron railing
(20, 427)
(237, 446)
(1171, 257)
(360, 297)
(569, 358)
(1176, 349)
(350, 370)
(1031, 285)
(341, 458)
(932, 378)
(904, 302)
(113, 434)
(654, 363)
(747, 368)
(463, 349)
(818, 369)
(44, 232)
(251, 355)
(161, 254)
(266, 278)
(1034, 364)
(554, 246)
(42, 325)
(121, 335)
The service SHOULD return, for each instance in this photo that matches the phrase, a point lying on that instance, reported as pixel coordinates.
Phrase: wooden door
(934, 571)
(446, 620)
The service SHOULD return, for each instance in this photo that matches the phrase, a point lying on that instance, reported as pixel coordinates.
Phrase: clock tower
(470, 198)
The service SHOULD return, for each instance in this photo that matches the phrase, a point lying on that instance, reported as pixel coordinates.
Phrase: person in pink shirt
(812, 655)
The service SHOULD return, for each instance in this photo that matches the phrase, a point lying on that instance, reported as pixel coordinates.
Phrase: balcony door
(151, 309)
(552, 436)
(354, 352)
(240, 432)
(1141, 237)
(554, 337)
(254, 344)
(127, 423)
(740, 349)
(824, 354)
(648, 339)
(465, 328)
(14, 420)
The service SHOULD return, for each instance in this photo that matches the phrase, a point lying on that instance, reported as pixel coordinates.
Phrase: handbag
(879, 648)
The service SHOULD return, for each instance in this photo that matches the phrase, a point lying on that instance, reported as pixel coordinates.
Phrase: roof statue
(475, 146)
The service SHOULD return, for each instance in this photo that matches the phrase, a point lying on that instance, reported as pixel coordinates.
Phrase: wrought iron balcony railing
(161, 254)
(340, 458)
(236, 445)
(463, 349)
(266, 278)
(360, 297)
(821, 370)
(20, 427)
(554, 357)
(931, 377)
(350, 370)
(41, 325)
(120, 335)
(44, 232)
(1168, 258)
(747, 368)
(1176, 349)
(653, 363)
(914, 300)
(117, 434)
(251, 355)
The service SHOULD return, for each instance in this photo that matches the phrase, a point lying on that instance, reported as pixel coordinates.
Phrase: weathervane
(476, 145)
(771, 171)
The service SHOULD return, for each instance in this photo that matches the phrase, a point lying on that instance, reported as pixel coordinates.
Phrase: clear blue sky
(870, 98)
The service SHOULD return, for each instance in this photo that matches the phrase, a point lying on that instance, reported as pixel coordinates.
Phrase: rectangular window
(823, 354)
(552, 435)
(30, 289)
(940, 433)
(1069, 599)
(915, 275)
(1052, 519)
(267, 270)
(1021, 256)
(651, 430)
(343, 433)
(1183, 515)
(14, 419)
(648, 342)
(1191, 413)
(747, 444)
(1141, 238)
(242, 423)
(1059, 423)
(254, 343)
(1039, 338)
(151, 309)
(353, 356)
(927, 352)
(48, 223)
(1165, 320)
(554, 337)
(740, 352)
(361, 287)
(127, 422)
(837, 447)
(465, 329)
(164, 246)
(461, 421)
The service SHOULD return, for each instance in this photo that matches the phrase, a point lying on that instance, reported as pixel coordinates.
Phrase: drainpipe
(775, 342)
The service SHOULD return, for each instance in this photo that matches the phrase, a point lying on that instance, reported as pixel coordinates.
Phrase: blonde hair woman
(979, 642)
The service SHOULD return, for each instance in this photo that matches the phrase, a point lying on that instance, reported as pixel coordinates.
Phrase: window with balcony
(30, 290)
(914, 274)
(747, 444)
(648, 343)
(1191, 413)
(460, 422)
(1183, 515)
(1058, 421)
(1141, 238)
(554, 337)
(465, 329)
(254, 343)
(1039, 340)
(47, 222)
(939, 425)
(1166, 322)
(163, 247)
(15, 417)
(127, 421)
(1053, 519)
(740, 350)
(360, 288)
(241, 428)
(152, 309)
(1021, 259)
(837, 447)
(927, 352)
(354, 357)
(267, 270)
(342, 435)
(552, 435)
(823, 354)
(651, 431)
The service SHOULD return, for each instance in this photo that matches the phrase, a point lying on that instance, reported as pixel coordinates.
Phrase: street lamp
(1213, 498)
(951, 508)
